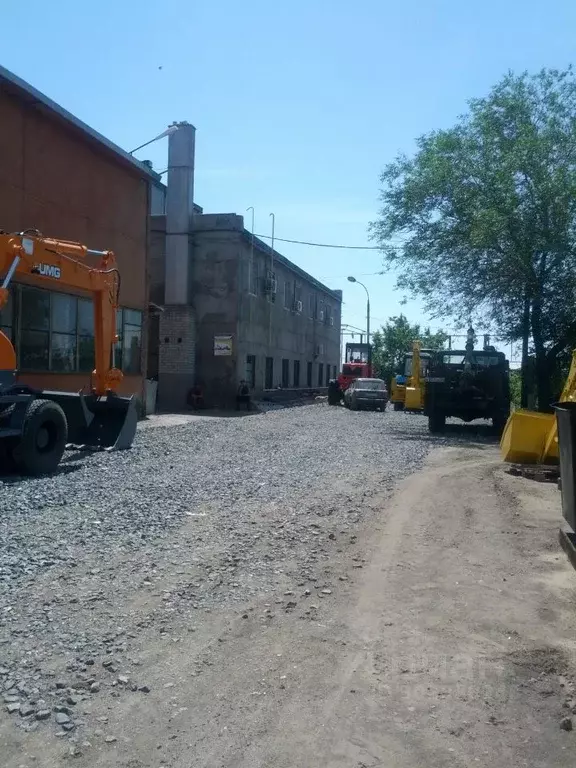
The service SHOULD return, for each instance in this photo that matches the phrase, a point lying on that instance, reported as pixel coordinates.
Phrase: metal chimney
(179, 209)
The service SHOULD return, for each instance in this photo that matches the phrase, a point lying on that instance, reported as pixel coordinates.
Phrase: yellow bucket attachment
(414, 400)
(530, 437)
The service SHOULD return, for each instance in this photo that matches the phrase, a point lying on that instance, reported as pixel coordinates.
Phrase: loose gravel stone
(246, 500)
(566, 724)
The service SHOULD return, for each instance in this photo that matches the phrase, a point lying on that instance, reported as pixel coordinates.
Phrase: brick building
(61, 177)
(233, 308)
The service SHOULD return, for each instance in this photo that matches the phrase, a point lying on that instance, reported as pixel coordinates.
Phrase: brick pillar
(177, 359)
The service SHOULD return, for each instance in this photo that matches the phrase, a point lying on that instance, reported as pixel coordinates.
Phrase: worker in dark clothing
(243, 396)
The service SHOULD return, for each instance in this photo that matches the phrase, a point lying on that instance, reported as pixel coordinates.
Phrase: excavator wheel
(43, 440)
(398, 406)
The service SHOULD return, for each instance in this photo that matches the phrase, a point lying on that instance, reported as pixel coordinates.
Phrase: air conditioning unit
(330, 320)
(319, 350)
(298, 306)
(322, 315)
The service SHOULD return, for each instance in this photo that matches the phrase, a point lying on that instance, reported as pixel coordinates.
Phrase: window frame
(80, 335)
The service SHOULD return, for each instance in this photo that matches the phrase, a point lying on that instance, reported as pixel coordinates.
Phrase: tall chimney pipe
(179, 209)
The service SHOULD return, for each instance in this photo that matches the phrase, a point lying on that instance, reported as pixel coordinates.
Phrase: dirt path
(444, 636)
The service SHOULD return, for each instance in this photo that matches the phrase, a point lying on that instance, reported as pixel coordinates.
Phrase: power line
(343, 277)
(324, 245)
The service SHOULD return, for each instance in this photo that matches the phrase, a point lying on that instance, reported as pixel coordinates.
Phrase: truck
(357, 365)
(467, 384)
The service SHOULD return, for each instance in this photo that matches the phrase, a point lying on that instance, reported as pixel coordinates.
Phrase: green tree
(394, 339)
(487, 215)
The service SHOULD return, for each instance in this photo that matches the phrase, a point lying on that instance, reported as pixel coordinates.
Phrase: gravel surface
(246, 504)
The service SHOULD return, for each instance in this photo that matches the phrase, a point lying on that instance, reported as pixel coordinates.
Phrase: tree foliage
(486, 213)
(394, 339)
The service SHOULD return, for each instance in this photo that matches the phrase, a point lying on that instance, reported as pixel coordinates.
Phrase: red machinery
(357, 365)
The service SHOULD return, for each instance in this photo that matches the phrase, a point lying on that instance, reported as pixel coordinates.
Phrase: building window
(269, 373)
(251, 371)
(55, 332)
(85, 335)
(270, 286)
(335, 372)
(34, 346)
(296, 373)
(7, 317)
(63, 332)
(320, 374)
(297, 304)
(253, 275)
(327, 375)
(309, 375)
(128, 350)
(288, 295)
(312, 306)
(321, 311)
(285, 373)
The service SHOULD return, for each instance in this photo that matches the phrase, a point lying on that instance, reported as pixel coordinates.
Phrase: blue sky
(298, 105)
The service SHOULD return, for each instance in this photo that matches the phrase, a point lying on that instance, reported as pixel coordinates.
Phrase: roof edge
(37, 96)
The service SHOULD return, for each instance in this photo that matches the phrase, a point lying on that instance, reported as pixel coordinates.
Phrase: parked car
(366, 393)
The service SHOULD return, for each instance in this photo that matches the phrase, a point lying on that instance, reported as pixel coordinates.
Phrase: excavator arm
(60, 263)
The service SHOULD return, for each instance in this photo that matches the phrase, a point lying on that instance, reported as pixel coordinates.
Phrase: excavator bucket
(107, 422)
(529, 437)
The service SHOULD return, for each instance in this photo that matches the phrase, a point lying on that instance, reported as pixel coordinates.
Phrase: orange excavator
(36, 426)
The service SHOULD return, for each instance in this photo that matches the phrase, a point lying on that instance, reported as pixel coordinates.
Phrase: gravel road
(286, 588)
(256, 501)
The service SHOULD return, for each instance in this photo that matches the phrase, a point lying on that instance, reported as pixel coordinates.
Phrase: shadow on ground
(457, 434)
(10, 477)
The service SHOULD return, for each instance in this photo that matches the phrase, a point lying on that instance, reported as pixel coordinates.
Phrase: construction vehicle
(357, 365)
(407, 389)
(35, 425)
(467, 384)
(530, 437)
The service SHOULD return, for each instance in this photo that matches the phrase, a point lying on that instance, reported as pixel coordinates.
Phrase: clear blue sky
(298, 105)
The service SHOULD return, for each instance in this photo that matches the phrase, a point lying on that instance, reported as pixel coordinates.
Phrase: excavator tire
(43, 440)
(398, 406)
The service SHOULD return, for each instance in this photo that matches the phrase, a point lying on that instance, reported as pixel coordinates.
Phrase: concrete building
(233, 308)
(61, 177)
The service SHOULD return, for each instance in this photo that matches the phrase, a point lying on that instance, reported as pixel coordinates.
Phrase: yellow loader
(532, 438)
(409, 395)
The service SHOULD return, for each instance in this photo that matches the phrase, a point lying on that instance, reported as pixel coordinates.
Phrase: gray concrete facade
(288, 337)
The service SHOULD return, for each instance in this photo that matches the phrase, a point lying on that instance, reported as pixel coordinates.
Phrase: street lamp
(168, 132)
(353, 280)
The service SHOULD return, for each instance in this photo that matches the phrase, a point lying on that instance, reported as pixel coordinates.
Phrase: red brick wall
(56, 180)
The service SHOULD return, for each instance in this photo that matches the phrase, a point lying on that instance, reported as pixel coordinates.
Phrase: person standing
(243, 396)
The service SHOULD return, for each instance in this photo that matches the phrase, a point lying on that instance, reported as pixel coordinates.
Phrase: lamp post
(168, 132)
(353, 280)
